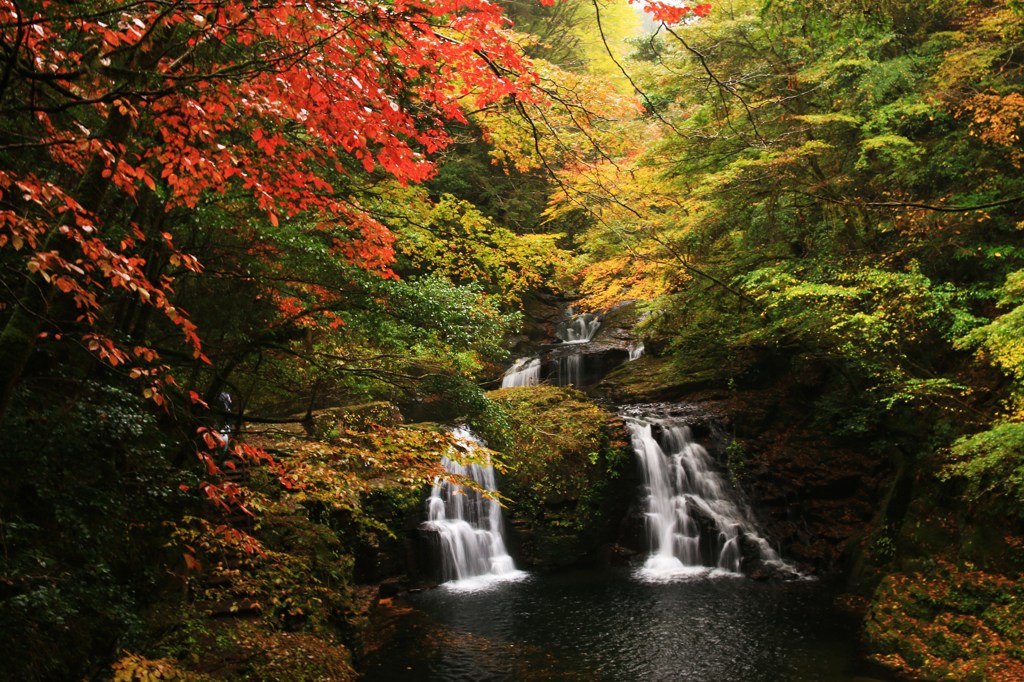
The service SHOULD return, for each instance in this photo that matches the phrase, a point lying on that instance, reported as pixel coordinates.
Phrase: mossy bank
(568, 474)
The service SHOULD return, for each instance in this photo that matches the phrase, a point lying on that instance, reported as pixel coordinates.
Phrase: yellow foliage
(999, 121)
(450, 237)
(464, 245)
(619, 21)
(607, 282)
(134, 668)
(578, 119)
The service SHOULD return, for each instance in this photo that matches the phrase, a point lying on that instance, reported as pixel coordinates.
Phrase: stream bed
(607, 624)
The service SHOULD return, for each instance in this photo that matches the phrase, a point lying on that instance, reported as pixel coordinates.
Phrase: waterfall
(577, 328)
(573, 330)
(223, 432)
(635, 351)
(523, 372)
(570, 370)
(467, 523)
(694, 521)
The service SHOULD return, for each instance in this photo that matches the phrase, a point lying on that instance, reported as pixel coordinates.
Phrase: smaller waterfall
(573, 330)
(570, 370)
(577, 328)
(636, 350)
(523, 372)
(467, 523)
(694, 521)
(223, 432)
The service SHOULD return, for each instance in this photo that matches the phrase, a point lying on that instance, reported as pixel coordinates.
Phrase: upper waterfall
(523, 372)
(577, 328)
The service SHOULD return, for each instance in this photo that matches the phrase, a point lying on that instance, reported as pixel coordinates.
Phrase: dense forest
(256, 256)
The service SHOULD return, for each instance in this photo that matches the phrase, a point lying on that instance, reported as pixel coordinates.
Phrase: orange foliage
(273, 100)
(950, 622)
(999, 121)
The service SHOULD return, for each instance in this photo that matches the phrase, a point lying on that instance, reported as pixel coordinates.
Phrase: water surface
(609, 625)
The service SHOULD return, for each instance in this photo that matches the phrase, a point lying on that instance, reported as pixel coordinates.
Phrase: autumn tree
(172, 170)
(117, 114)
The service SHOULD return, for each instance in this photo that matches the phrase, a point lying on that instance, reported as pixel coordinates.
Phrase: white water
(578, 328)
(468, 523)
(573, 330)
(636, 350)
(570, 370)
(523, 372)
(694, 522)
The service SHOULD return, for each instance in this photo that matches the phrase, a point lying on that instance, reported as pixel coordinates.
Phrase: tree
(117, 113)
(804, 176)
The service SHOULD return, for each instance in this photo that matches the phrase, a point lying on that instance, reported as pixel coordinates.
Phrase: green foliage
(434, 314)
(401, 340)
(511, 198)
(736, 461)
(454, 239)
(1002, 339)
(86, 482)
(564, 463)
(456, 399)
(801, 212)
(991, 464)
(880, 322)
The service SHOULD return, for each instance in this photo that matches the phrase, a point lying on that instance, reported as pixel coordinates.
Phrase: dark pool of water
(607, 625)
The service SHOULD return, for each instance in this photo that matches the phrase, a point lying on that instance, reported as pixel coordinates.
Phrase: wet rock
(392, 588)
(613, 554)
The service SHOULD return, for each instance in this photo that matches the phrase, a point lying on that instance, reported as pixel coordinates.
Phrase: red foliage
(670, 13)
(193, 99)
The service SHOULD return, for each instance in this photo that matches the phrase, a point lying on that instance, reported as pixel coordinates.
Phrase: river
(609, 624)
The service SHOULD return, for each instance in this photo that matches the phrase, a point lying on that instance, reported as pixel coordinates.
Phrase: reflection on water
(606, 625)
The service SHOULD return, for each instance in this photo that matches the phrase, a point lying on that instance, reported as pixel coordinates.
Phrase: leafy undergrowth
(564, 472)
(242, 649)
(949, 622)
(275, 595)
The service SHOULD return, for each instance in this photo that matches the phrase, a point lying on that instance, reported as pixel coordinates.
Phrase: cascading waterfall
(523, 372)
(569, 370)
(694, 521)
(468, 523)
(577, 328)
(636, 351)
(223, 432)
(574, 330)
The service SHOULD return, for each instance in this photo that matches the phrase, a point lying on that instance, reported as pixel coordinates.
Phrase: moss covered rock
(654, 379)
(568, 474)
(947, 621)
